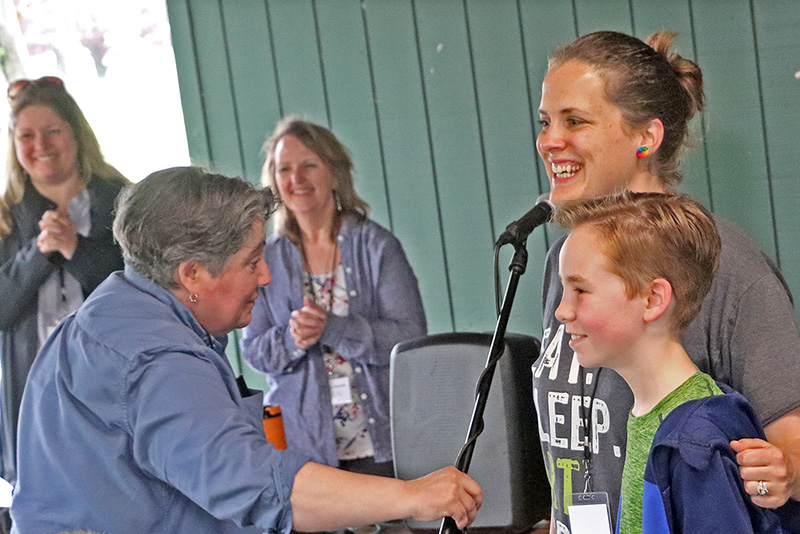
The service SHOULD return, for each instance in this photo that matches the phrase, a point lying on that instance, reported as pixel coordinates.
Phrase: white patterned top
(350, 426)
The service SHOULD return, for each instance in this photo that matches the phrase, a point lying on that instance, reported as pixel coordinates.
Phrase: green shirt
(641, 431)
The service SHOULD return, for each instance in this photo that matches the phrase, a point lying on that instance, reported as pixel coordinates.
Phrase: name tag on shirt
(590, 513)
(341, 393)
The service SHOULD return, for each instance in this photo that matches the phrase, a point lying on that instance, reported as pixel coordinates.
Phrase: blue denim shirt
(132, 421)
(385, 308)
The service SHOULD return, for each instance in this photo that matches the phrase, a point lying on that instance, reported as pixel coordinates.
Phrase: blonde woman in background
(343, 294)
(55, 231)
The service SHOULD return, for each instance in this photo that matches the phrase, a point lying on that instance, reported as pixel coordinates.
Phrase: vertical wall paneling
(508, 139)
(459, 167)
(350, 99)
(778, 45)
(239, 367)
(381, 155)
(699, 165)
(479, 115)
(737, 161)
(767, 169)
(194, 116)
(298, 60)
(609, 15)
(253, 78)
(408, 157)
(214, 72)
(437, 101)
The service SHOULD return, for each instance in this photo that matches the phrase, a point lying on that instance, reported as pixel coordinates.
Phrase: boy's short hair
(653, 235)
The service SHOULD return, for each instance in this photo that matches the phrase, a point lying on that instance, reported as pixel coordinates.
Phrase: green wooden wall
(437, 100)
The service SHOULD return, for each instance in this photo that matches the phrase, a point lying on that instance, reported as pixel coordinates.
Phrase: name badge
(590, 513)
(341, 393)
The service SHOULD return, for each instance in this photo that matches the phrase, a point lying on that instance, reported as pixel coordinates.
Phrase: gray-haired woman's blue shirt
(132, 421)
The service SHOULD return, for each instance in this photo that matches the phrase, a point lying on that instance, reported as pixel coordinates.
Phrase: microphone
(520, 229)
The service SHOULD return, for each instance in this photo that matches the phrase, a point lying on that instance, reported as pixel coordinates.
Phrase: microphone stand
(517, 267)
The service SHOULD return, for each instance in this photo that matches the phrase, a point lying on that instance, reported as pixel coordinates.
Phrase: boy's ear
(659, 296)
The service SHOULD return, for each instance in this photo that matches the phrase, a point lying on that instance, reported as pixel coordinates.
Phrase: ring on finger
(762, 489)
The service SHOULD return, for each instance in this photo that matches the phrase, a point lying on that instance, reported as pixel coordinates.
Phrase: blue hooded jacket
(692, 481)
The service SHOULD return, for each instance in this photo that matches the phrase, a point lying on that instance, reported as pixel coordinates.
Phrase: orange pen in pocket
(273, 426)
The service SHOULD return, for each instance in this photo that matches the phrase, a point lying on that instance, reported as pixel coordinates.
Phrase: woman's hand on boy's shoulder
(761, 462)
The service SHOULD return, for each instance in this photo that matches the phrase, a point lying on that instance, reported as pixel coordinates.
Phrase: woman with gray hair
(132, 418)
(344, 295)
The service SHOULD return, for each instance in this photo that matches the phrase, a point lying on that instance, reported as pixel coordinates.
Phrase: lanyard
(587, 427)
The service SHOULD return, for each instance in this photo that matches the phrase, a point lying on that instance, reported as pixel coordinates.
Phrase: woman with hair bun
(615, 112)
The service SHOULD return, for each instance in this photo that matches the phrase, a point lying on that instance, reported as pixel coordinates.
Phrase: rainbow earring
(642, 152)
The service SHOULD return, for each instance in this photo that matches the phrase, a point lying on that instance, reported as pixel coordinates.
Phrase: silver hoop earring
(337, 201)
(193, 298)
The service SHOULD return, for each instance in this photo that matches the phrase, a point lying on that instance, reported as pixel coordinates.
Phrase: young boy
(635, 269)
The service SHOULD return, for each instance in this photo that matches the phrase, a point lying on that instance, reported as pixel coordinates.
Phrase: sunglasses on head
(18, 85)
(272, 201)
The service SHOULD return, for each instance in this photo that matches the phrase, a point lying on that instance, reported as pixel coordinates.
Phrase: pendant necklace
(308, 280)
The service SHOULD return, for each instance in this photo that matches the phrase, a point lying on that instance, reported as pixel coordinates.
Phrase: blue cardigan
(385, 308)
(692, 481)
